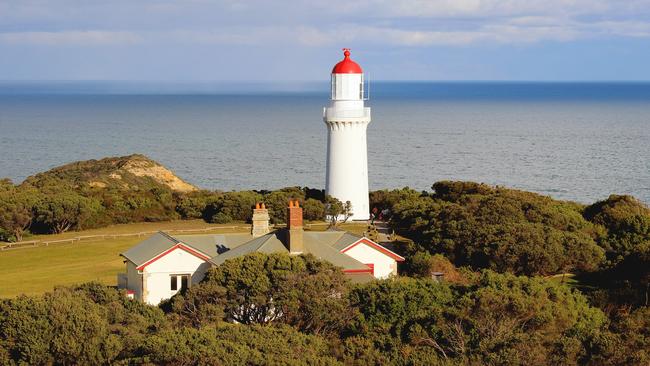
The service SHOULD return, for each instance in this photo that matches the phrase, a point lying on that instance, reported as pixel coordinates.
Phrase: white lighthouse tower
(347, 153)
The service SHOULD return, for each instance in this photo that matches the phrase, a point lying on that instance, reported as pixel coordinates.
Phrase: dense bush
(498, 319)
(96, 193)
(232, 206)
(627, 341)
(625, 280)
(303, 312)
(192, 205)
(277, 288)
(627, 222)
(230, 344)
(501, 229)
(55, 205)
(90, 324)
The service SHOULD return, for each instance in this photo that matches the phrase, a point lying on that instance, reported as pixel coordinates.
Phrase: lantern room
(347, 80)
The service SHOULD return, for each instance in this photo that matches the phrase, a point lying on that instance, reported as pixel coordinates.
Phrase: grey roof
(149, 248)
(317, 243)
(325, 245)
(161, 241)
(323, 250)
(213, 244)
(269, 243)
(345, 240)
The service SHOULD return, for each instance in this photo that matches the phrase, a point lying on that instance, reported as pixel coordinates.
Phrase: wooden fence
(45, 243)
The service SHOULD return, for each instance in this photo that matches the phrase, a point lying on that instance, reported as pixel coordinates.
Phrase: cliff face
(134, 172)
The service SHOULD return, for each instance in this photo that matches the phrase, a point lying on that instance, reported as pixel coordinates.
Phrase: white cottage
(162, 265)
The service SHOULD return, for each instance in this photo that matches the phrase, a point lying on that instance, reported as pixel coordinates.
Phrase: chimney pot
(260, 220)
(294, 226)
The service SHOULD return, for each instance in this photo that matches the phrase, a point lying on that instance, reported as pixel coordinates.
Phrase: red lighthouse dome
(347, 66)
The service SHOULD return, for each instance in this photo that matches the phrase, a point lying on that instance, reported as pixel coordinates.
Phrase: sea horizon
(578, 141)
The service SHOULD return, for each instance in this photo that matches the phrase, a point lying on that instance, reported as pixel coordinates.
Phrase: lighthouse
(347, 119)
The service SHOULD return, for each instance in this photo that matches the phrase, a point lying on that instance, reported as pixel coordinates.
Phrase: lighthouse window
(361, 88)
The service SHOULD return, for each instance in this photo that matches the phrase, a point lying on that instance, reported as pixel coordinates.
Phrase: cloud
(85, 38)
(493, 33)
(409, 23)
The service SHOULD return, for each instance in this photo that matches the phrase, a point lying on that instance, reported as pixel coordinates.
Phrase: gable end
(182, 246)
(375, 246)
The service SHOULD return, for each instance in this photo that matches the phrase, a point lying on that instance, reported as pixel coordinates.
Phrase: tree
(16, 205)
(200, 305)
(313, 210)
(277, 202)
(232, 206)
(271, 288)
(63, 211)
(384, 200)
(336, 211)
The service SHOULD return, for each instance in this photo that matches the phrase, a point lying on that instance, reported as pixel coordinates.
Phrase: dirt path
(384, 232)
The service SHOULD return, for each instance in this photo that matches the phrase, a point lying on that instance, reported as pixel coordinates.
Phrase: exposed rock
(131, 172)
(149, 168)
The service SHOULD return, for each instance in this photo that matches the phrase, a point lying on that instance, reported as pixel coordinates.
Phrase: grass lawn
(578, 282)
(35, 270)
(566, 278)
(39, 269)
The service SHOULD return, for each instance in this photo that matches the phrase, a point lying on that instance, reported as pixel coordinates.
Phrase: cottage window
(184, 282)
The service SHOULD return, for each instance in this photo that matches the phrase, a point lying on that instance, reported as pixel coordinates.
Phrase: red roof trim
(376, 246)
(182, 246)
(355, 271)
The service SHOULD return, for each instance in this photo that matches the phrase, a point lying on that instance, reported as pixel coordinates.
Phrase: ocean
(573, 141)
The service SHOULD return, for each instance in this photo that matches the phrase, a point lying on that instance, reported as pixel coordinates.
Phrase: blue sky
(283, 40)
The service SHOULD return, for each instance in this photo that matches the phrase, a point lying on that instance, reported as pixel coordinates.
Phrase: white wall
(347, 153)
(385, 266)
(347, 166)
(347, 87)
(157, 275)
(134, 280)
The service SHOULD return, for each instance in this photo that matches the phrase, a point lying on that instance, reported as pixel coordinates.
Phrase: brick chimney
(260, 220)
(294, 227)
